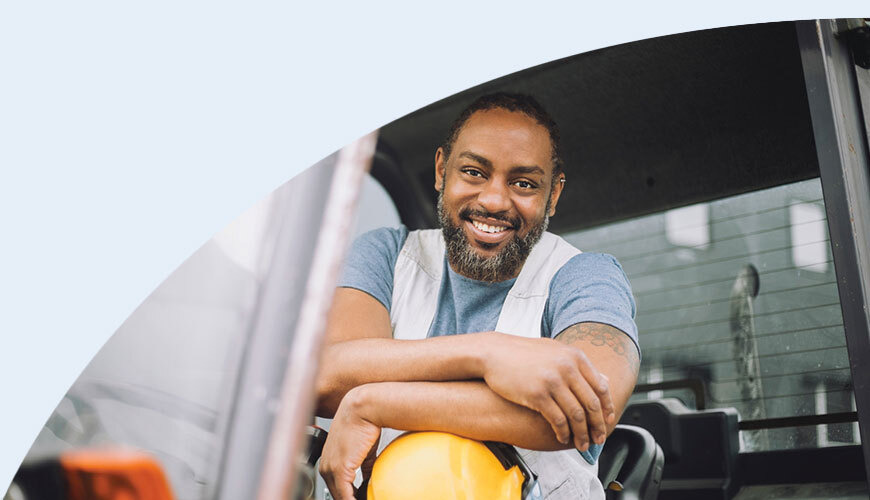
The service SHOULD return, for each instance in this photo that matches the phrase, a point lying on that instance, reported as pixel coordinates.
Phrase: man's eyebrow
(476, 157)
(533, 169)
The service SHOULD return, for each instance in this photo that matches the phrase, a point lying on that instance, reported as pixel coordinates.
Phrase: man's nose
(495, 196)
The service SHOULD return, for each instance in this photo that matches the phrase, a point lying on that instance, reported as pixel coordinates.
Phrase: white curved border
(130, 134)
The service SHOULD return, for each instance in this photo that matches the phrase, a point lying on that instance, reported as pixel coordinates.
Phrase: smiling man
(494, 230)
(547, 355)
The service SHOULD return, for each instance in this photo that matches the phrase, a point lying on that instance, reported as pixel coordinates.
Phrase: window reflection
(689, 226)
(754, 318)
(809, 239)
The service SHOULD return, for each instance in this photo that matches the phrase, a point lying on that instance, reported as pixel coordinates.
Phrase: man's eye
(472, 172)
(524, 185)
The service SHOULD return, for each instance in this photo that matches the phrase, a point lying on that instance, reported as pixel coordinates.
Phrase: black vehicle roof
(645, 126)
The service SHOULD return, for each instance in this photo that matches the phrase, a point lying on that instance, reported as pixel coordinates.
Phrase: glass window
(376, 208)
(738, 296)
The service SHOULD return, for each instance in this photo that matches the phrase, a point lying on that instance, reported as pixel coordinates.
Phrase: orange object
(113, 475)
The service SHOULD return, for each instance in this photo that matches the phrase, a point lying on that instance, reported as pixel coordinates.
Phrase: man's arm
(467, 409)
(557, 381)
(471, 409)
(474, 410)
(615, 356)
(360, 350)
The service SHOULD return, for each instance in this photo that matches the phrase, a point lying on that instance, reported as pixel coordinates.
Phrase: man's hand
(352, 440)
(556, 380)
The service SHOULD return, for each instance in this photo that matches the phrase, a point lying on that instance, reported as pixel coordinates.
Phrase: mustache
(467, 213)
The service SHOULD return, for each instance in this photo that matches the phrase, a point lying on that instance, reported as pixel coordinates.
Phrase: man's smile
(490, 234)
(487, 229)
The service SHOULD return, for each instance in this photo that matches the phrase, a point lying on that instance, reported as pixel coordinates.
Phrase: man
(554, 357)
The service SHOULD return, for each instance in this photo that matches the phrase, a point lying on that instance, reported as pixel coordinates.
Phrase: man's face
(496, 192)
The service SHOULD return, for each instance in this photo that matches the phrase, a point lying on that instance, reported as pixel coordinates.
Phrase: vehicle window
(738, 299)
(376, 208)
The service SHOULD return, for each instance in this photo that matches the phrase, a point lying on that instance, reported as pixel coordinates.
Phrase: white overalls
(562, 475)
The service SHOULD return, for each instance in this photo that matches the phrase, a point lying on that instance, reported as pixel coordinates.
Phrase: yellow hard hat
(441, 466)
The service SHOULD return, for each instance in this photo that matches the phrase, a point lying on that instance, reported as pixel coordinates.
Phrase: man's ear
(440, 160)
(556, 192)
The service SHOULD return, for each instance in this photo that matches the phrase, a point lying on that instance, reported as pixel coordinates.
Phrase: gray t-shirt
(589, 287)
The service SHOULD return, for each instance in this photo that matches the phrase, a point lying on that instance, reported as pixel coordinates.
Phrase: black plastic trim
(816, 465)
(803, 420)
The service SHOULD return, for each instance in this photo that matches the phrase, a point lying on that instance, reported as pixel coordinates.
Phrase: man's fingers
(345, 492)
(597, 381)
(594, 413)
(554, 415)
(369, 463)
(599, 384)
(569, 404)
(339, 489)
(328, 478)
(607, 406)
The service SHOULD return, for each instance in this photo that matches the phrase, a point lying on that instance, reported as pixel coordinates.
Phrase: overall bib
(563, 475)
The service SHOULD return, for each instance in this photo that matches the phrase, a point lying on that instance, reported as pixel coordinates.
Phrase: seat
(701, 447)
(631, 463)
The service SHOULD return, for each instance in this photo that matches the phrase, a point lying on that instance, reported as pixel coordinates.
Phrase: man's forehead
(492, 131)
(500, 116)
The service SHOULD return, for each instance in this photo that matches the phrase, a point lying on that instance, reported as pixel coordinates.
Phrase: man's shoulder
(384, 234)
(370, 262)
(591, 287)
(591, 274)
(590, 265)
(381, 241)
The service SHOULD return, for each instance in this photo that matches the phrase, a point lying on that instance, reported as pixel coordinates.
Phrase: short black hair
(518, 103)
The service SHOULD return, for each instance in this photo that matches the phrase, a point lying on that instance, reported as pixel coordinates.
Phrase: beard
(506, 264)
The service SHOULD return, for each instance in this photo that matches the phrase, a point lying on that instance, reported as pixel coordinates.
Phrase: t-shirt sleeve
(590, 287)
(371, 261)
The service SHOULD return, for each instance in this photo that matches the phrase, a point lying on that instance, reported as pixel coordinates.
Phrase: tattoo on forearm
(599, 335)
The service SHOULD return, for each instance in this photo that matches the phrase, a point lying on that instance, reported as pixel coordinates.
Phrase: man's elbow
(327, 401)
(328, 391)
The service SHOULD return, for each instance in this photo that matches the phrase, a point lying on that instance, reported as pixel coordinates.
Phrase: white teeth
(487, 228)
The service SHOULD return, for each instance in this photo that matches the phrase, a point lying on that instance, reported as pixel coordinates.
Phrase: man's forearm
(558, 382)
(352, 363)
(468, 409)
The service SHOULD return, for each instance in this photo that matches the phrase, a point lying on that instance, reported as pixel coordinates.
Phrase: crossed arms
(539, 394)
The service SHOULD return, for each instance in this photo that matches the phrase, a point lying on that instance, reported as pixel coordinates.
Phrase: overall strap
(523, 308)
(416, 281)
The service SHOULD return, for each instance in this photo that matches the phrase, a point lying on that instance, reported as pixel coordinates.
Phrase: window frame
(841, 147)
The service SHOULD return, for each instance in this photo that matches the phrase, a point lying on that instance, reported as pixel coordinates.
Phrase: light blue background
(130, 133)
